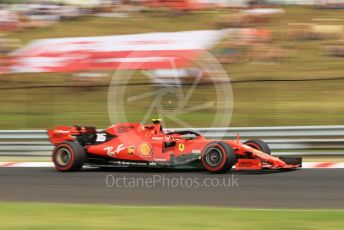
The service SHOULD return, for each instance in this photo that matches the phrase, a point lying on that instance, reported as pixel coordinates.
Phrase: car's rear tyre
(259, 145)
(218, 157)
(69, 157)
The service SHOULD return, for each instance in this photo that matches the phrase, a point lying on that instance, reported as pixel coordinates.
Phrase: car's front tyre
(259, 145)
(218, 157)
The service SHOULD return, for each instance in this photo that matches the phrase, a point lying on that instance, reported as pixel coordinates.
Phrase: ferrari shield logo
(181, 147)
(131, 150)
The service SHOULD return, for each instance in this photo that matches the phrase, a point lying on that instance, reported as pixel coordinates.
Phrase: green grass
(255, 104)
(135, 23)
(58, 216)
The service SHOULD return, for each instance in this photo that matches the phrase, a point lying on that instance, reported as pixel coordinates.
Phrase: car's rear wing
(62, 133)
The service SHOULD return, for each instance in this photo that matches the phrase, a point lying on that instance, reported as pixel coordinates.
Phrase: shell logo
(145, 149)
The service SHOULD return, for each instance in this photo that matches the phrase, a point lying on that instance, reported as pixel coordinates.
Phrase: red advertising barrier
(137, 51)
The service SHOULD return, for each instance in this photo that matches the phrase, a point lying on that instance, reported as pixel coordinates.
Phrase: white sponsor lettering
(112, 152)
(159, 159)
(101, 137)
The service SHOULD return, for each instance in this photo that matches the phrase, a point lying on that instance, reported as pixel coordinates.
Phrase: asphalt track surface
(304, 188)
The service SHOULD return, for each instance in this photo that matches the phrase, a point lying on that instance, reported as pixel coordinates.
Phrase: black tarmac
(303, 188)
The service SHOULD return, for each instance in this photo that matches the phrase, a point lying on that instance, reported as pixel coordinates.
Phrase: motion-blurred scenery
(283, 58)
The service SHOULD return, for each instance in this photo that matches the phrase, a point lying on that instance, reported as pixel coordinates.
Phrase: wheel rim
(63, 156)
(214, 157)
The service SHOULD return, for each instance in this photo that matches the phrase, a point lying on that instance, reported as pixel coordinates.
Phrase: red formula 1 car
(133, 144)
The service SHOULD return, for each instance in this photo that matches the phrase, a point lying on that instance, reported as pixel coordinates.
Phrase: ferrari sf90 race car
(134, 144)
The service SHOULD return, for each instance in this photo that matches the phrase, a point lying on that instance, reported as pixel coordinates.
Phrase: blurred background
(284, 59)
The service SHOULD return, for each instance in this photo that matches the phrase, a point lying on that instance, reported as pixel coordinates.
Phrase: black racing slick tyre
(259, 145)
(218, 157)
(69, 157)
